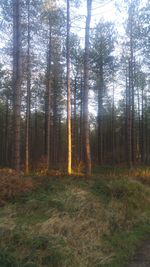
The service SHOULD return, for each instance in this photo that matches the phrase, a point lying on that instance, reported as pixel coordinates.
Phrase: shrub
(11, 185)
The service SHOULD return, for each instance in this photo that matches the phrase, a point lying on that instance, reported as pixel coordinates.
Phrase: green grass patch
(121, 189)
(18, 249)
(124, 245)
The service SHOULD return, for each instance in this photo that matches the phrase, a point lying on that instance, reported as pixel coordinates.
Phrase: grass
(69, 222)
(125, 244)
(18, 249)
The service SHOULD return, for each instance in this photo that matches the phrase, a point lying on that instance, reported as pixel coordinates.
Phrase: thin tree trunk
(49, 92)
(6, 132)
(27, 145)
(75, 128)
(86, 139)
(142, 129)
(17, 81)
(145, 131)
(69, 143)
(131, 78)
(81, 119)
(113, 125)
(128, 121)
(139, 126)
(100, 116)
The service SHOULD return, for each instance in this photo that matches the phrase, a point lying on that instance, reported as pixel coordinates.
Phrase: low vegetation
(69, 222)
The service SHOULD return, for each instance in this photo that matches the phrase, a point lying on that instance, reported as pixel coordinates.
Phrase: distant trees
(103, 67)
(134, 99)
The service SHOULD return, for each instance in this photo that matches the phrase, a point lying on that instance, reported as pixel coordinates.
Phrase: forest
(74, 132)
(50, 74)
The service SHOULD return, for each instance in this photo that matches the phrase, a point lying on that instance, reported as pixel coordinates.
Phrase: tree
(49, 81)
(68, 93)
(86, 139)
(103, 68)
(17, 80)
(27, 144)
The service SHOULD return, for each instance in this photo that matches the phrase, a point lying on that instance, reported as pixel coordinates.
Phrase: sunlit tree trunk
(86, 139)
(69, 167)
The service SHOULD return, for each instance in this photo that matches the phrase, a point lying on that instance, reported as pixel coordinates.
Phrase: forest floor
(142, 256)
(72, 221)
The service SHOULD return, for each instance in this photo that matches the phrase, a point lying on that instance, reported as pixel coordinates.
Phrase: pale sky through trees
(108, 10)
(114, 11)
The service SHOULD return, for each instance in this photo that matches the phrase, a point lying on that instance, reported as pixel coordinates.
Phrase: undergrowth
(18, 249)
(69, 222)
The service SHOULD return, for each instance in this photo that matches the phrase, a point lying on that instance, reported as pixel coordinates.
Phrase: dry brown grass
(142, 175)
(83, 230)
(11, 185)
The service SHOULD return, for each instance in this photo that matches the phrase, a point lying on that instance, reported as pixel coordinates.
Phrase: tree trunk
(86, 139)
(100, 115)
(128, 119)
(27, 145)
(142, 129)
(17, 81)
(113, 125)
(69, 166)
(81, 119)
(75, 125)
(49, 92)
(6, 132)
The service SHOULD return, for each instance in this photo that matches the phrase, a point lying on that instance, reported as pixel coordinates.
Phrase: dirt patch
(142, 256)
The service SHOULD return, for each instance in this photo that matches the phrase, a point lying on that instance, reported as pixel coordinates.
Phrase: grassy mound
(75, 222)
